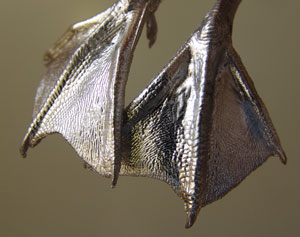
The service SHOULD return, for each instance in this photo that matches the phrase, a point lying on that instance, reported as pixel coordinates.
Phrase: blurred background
(50, 194)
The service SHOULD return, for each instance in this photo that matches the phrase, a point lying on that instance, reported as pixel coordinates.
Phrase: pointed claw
(191, 218)
(23, 152)
(282, 156)
(115, 179)
(24, 147)
(114, 182)
(151, 29)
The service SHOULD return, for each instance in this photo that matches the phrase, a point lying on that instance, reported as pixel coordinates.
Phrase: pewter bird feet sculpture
(81, 95)
(200, 125)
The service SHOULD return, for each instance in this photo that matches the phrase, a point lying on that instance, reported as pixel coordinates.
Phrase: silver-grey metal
(200, 125)
(81, 95)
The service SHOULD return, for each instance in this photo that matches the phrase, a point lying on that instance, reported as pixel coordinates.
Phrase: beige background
(50, 194)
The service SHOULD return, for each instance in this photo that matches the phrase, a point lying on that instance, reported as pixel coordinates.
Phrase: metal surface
(200, 125)
(81, 95)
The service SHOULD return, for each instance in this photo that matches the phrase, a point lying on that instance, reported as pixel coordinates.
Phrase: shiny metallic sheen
(81, 95)
(200, 125)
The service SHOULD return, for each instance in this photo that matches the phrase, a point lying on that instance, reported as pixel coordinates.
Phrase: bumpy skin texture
(81, 95)
(200, 125)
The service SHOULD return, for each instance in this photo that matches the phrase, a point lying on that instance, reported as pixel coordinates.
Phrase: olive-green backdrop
(50, 194)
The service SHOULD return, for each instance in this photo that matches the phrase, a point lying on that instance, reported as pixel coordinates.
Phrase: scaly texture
(81, 95)
(200, 125)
